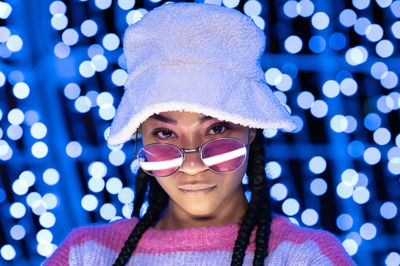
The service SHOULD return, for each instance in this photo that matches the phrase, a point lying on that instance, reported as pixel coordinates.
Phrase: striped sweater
(288, 245)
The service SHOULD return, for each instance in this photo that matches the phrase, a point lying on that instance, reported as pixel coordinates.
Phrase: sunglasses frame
(198, 149)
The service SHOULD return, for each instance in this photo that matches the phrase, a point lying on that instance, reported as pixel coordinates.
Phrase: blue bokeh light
(317, 44)
(361, 195)
(231, 3)
(111, 41)
(14, 132)
(73, 149)
(273, 170)
(290, 9)
(103, 4)
(348, 17)
(309, 217)
(320, 20)
(17, 210)
(70, 37)
(389, 80)
(117, 157)
(108, 211)
(372, 156)
(114, 185)
(293, 44)
(344, 222)
(126, 195)
(361, 25)
(384, 48)
(319, 108)
(395, 8)
(396, 29)
(126, 4)
(97, 169)
(368, 231)
(356, 55)
(361, 4)
(317, 165)
(21, 90)
(95, 49)
(17, 232)
(273, 76)
(350, 246)
(89, 202)
(252, 8)
(388, 210)
(382, 136)
(384, 3)
(119, 76)
(89, 28)
(62, 50)
(305, 99)
(378, 69)
(355, 149)
(59, 21)
(372, 121)
(57, 7)
(290, 206)
(96, 184)
(72, 91)
(278, 191)
(374, 32)
(348, 86)
(51, 176)
(393, 257)
(38, 130)
(318, 186)
(8, 252)
(14, 43)
(15, 116)
(305, 8)
(337, 41)
(344, 190)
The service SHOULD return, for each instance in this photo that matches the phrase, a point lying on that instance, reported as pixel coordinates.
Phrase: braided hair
(258, 212)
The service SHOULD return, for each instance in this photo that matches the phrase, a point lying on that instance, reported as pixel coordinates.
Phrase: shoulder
(111, 236)
(322, 245)
(103, 233)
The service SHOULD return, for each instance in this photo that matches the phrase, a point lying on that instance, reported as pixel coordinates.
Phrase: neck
(231, 211)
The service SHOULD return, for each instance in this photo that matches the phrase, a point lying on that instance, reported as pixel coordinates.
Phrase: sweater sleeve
(60, 257)
(290, 244)
(330, 248)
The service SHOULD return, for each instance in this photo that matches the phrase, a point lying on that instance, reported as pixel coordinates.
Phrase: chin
(201, 210)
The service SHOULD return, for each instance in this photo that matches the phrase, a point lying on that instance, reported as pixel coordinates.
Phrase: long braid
(141, 183)
(158, 199)
(258, 212)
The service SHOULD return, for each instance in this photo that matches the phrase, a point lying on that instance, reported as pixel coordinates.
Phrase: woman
(196, 93)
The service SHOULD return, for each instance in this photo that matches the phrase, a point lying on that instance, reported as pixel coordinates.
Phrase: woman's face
(195, 190)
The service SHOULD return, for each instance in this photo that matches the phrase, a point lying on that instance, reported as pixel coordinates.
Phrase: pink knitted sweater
(288, 245)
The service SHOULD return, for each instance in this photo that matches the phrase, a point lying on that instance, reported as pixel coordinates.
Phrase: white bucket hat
(198, 58)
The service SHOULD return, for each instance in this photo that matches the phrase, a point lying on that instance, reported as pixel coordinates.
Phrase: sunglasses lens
(160, 159)
(223, 155)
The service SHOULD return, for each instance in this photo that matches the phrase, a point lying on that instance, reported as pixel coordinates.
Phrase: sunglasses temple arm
(136, 142)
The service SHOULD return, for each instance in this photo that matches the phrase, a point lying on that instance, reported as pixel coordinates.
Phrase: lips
(195, 186)
(196, 190)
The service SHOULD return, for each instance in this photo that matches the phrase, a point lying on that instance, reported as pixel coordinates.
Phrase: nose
(193, 164)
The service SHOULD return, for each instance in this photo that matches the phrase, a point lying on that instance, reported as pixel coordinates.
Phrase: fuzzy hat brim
(205, 89)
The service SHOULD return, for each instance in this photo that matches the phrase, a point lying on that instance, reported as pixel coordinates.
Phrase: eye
(218, 129)
(163, 133)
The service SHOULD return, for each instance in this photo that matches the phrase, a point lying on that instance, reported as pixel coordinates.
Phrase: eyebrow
(172, 121)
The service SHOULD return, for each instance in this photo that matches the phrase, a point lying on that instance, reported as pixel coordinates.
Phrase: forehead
(180, 117)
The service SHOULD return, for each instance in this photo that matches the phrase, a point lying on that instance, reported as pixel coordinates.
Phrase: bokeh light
(333, 69)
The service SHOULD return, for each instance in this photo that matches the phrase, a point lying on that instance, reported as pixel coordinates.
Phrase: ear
(252, 135)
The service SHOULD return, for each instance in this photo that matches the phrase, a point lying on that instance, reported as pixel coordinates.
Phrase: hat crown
(188, 33)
